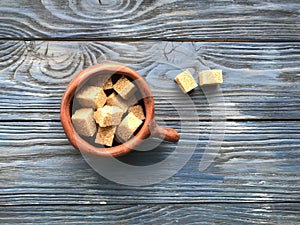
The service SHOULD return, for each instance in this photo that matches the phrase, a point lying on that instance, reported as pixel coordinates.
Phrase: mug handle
(165, 133)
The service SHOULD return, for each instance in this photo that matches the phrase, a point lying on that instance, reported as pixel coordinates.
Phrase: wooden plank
(261, 80)
(268, 213)
(258, 162)
(167, 19)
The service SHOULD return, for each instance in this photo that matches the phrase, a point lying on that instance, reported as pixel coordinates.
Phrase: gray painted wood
(268, 213)
(255, 176)
(258, 162)
(261, 80)
(142, 19)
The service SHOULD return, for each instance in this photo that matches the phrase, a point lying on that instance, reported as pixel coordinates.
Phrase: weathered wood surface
(144, 19)
(255, 175)
(258, 162)
(261, 80)
(267, 213)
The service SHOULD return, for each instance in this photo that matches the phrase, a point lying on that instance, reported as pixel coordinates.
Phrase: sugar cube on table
(127, 127)
(138, 111)
(91, 97)
(105, 135)
(108, 116)
(83, 122)
(124, 87)
(185, 81)
(210, 77)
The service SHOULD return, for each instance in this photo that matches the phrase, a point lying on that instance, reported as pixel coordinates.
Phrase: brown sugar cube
(91, 97)
(210, 77)
(138, 111)
(124, 87)
(108, 116)
(127, 127)
(103, 81)
(101, 99)
(108, 84)
(185, 81)
(114, 100)
(83, 122)
(131, 101)
(111, 99)
(105, 135)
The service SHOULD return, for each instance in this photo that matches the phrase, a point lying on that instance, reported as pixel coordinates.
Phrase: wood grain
(261, 80)
(254, 177)
(258, 162)
(143, 19)
(268, 213)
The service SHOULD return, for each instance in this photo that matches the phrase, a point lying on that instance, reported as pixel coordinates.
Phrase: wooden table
(255, 175)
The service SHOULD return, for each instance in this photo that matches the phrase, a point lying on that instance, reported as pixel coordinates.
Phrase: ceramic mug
(149, 126)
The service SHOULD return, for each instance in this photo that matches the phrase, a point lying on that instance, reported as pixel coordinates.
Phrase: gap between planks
(151, 40)
(170, 120)
(162, 203)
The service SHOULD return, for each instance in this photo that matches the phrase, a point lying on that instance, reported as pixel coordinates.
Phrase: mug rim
(65, 110)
